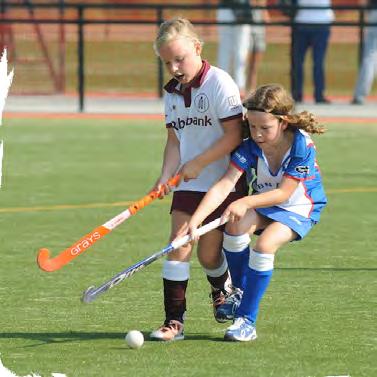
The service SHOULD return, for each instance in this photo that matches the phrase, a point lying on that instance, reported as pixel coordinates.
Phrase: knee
(231, 229)
(265, 245)
(236, 228)
(215, 263)
(210, 260)
(182, 254)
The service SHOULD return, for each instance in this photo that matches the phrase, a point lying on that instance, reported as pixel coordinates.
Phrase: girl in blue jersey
(286, 201)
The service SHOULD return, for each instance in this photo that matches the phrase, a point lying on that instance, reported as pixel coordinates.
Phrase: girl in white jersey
(287, 198)
(203, 115)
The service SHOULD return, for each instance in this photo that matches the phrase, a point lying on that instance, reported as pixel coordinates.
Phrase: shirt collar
(299, 144)
(172, 85)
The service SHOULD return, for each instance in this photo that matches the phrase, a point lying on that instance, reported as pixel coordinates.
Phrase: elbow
(282, 197)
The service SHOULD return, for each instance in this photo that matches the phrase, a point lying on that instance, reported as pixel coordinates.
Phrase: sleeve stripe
(236, 166)
(231, 117)
(299, 179)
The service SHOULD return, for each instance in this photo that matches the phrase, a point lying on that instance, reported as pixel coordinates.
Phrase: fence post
(361, 35)
(293, 80)
(2, 27)
(160, 70)
(61, 47)
(80, 55)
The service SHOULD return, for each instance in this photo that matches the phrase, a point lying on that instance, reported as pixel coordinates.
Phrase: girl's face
(265, 129)
(182, 59)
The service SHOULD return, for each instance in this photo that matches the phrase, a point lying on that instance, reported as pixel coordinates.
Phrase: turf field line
(329, 119)
(352, 190)
(47, 115)
(39, 115)
(325, 269)
(68, 206)
(126, 204)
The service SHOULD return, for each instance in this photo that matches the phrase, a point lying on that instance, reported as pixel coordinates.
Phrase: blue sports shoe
(225, 311)
(242, 330)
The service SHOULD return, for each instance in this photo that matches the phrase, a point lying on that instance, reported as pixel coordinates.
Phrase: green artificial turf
(62, 178)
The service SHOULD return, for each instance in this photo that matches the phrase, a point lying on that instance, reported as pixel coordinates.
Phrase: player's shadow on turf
(66, 337)
(201, 336)
(188, 337)
(63, 337)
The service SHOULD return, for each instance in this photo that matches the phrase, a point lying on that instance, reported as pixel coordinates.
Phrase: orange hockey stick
(52, 264)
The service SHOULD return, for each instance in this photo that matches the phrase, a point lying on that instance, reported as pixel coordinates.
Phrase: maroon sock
(175, 299)
(219, 282)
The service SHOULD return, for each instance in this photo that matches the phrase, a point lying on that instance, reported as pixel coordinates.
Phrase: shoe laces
(234, 297)
(238, 322)
(218, 297)
(171, 325)
(241, 322)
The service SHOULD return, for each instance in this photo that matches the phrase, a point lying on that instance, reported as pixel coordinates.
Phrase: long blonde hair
(175, 28)
(274, 99)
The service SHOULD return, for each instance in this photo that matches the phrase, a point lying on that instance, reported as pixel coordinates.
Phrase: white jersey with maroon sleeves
(196, 114)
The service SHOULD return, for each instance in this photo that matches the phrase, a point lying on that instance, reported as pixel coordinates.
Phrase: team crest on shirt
(201, 102)
(232, 100)
(302, 169)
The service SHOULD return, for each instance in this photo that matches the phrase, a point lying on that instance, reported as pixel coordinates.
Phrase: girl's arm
(213, 198)
(171, 161)
(227, 143)
(238, 208)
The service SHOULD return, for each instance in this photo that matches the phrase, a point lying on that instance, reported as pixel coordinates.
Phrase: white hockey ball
(134, 339)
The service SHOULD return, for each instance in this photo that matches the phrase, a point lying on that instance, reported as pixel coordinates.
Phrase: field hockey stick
(52, 264)
(92, 293)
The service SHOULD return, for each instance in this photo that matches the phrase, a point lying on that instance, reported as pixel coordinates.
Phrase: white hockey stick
(92, 293)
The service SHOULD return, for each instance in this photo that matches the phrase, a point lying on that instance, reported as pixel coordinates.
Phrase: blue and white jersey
(299, 163)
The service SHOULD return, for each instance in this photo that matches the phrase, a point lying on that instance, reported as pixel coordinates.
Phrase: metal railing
(83, 19)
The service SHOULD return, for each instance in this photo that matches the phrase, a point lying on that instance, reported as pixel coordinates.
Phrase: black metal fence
(83, 15)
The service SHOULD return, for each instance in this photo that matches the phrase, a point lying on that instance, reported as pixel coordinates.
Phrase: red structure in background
(6, 36)
(7, 40)
(48, 42)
